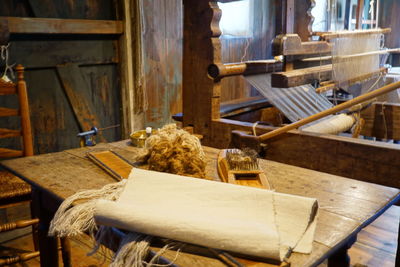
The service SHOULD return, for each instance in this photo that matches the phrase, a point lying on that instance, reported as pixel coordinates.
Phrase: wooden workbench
(346, 206)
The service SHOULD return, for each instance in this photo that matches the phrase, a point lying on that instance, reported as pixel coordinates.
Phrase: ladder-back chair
(14, 191)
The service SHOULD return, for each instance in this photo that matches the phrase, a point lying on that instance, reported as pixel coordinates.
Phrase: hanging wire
(7, 68)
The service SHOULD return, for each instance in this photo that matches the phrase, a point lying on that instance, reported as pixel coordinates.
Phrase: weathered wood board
(75, 88)
(82, 9)
(382, 120)
(36, 52)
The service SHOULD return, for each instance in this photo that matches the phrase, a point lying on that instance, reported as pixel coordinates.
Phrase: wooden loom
(202, 74)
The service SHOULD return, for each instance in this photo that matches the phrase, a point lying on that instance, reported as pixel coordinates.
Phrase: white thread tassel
(71, 220)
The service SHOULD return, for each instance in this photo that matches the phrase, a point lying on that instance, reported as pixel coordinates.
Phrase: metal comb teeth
(242, 160)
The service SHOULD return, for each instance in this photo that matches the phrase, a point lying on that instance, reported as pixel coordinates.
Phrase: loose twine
(8, 67)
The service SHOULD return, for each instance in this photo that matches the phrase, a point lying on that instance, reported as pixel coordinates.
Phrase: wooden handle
(335, 109)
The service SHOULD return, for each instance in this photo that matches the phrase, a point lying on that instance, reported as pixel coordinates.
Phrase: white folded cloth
(235, 218)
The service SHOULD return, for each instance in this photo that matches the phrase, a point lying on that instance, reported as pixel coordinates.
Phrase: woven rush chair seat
(13, 188)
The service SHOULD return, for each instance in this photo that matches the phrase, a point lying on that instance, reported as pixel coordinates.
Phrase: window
(235, 18)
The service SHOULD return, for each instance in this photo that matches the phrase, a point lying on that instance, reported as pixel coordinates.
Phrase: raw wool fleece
(176, 151)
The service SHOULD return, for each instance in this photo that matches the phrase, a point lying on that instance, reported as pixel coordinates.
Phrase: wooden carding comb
(241, 167)
(112, 163)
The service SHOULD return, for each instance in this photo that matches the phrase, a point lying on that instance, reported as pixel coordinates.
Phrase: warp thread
(345, 68)
(175, 151)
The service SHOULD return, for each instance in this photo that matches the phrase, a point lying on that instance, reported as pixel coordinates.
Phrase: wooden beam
(291, 44)
(301, 76)
(17, 25)
(127, 68)
(201, 48)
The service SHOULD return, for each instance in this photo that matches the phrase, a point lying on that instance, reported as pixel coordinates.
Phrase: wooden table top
(346, 206)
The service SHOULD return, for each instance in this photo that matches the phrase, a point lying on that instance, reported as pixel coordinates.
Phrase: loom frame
(201, 110)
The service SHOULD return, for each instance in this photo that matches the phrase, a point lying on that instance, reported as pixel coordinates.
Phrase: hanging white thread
(8, 68)
(245, 49)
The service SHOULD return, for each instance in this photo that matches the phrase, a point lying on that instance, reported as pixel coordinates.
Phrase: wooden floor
(376, 245)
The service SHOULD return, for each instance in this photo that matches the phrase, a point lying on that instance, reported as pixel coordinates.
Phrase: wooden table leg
(47, 245)
(341, 258)
(66, 251)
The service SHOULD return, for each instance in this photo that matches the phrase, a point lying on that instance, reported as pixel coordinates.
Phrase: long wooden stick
(370, 53)
(362, 98)
(331, 35)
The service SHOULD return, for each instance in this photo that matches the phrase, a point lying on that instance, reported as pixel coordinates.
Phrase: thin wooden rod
(370, 53)
(331, 35)
(360, 99)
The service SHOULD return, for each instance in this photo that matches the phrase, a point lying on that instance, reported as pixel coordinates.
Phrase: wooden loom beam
(291, 44)
(300, 77)
(201, 109)
(220, 70)
(201, 48)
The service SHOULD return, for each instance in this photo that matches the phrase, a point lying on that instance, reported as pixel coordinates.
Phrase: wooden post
(24, 112)
(202, 47)
(128, 69)
(359, 14)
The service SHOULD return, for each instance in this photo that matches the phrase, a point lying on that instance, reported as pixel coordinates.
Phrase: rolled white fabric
(230, 217)
(332, 125)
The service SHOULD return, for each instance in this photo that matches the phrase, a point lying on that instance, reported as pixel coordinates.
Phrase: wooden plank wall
(95, 59)
(162, 45)
(389, 18)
